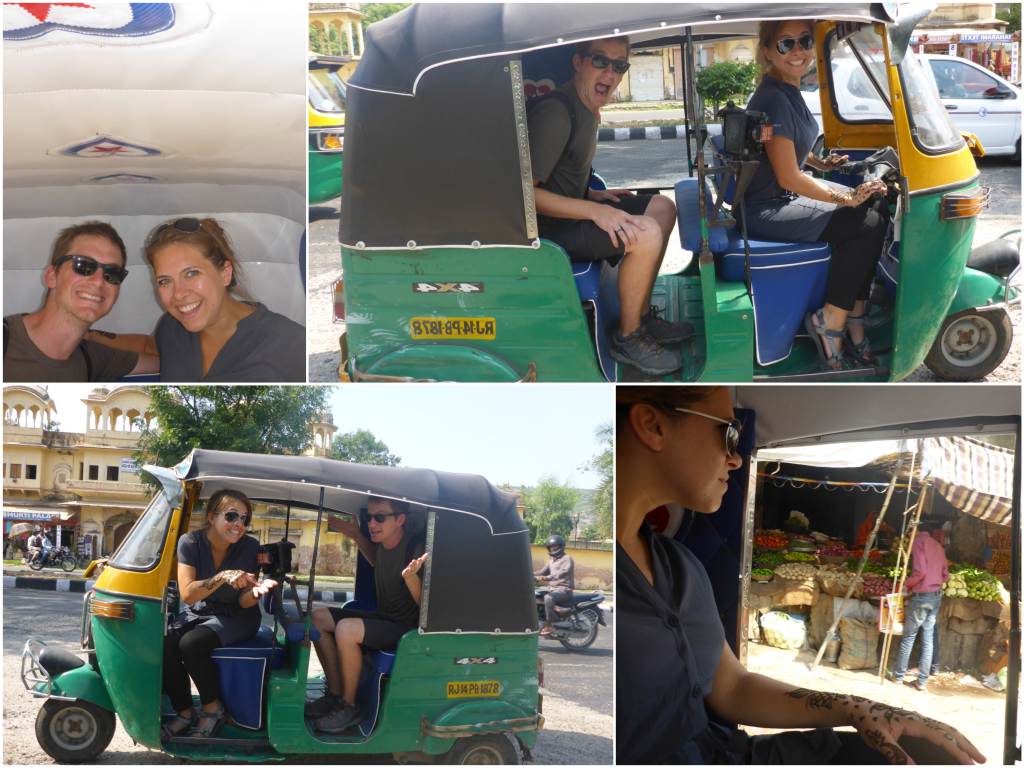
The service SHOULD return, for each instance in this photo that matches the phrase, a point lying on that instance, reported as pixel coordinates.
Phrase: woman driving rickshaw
(491, 300)
(415, 702)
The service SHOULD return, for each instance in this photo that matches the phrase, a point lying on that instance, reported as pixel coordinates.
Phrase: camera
(276, 559)
(744, 131)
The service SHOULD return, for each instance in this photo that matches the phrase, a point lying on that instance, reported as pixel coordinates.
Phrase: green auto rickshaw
(326, 94)
(462, 688)
(446, 277)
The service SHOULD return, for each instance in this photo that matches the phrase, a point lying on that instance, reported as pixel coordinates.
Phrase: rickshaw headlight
(113, 609)
(965, 205)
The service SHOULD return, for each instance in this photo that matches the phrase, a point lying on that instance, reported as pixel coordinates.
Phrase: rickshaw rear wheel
(579, 643)
(970, 345)
(74, 731)
(489, 749)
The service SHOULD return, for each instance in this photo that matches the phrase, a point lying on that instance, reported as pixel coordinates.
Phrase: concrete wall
(594, 568)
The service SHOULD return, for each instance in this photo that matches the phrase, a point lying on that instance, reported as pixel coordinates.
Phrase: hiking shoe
(341, 718)
(641, 350)
(664, 331)
(322, 706)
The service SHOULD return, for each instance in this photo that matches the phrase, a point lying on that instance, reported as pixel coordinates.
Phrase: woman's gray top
(220, 611)
(266, 348)
(772, 212)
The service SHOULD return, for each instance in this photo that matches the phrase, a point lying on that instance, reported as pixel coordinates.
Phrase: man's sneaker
(640, 350)
(664, 331)
(341, 718)
(322, 706)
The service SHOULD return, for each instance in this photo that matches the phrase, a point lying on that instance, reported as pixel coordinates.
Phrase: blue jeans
(921, 614)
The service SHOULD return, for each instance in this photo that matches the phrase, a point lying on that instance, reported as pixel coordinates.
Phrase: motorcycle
(576, 628)
(55, 557)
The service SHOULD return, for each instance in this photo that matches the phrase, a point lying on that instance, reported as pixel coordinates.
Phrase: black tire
(68, 563)
(37, 563)
(970, 345)
(489, 749)
(1015, 158)
(579, 643)
(59, 723)
(817, 150)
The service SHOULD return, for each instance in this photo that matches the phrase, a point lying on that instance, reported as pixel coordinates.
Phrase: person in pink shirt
(925, 583)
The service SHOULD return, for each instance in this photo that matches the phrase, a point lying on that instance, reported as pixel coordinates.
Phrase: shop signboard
(18, 514)
(1015, 63)
(129, 465)
(891, 613)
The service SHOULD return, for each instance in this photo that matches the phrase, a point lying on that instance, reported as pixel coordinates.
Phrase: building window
(112, 474)
(30, 471)
(15, 471)
(81, 470)
(94, 472)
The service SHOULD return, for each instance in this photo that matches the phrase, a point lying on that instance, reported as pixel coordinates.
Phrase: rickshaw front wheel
(74, 731)
(970, 345)
(489, 749)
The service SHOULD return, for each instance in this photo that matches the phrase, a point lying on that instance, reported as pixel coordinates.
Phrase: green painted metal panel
(530, 294)
(325, 176)
(976, 289)
(130, 654)
(83, 683)
(472, 713)
(449, 362)
(730, 331)
(933, 255)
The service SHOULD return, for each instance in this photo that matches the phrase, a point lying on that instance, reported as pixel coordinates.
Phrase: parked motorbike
(576, 627)
(55, 557)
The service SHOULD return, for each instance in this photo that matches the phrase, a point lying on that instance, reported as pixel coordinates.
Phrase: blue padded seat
(688, 214)
(587, 275)
(376, 664)
(294, 628)
(241, 670)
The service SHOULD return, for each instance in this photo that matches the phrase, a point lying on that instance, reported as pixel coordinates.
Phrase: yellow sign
(452, 327)
(474, 688)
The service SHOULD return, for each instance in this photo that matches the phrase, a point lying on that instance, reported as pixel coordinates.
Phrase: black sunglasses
(367, 517)
(187, 225)
(732, 432)
(86, 265)
(786, 44)
(600, 62)
(233, 514)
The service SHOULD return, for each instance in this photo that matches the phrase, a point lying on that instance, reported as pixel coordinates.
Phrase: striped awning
(975, 477)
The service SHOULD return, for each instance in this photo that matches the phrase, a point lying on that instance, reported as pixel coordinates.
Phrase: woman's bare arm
(192, 591)
(782, 156)
(131, 342)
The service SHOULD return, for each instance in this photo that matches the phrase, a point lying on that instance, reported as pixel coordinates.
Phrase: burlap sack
(860, 643)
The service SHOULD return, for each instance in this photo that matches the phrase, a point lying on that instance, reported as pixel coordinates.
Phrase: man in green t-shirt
(612, 224)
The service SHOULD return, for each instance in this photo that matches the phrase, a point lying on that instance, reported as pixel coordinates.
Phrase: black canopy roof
(425, 35)
(298, 479)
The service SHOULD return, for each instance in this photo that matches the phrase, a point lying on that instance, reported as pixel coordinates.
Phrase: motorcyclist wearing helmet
(558, 572)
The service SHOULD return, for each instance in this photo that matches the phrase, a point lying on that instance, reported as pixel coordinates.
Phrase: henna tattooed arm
(192, 590)
(782, 155)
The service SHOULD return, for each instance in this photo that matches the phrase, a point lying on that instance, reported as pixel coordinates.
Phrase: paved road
(577, 692)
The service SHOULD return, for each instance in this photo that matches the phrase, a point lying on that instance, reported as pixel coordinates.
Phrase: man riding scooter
(38, 546)
(558, 572)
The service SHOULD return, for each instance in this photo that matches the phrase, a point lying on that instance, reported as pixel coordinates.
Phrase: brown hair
(212, 243)
(397, 507)
(62, 245)
(220, 499)
(662, 398)
(766, 32)
(583, 47)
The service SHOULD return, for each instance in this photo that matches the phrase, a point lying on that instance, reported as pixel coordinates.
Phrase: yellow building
(344, 17)
(86, 486)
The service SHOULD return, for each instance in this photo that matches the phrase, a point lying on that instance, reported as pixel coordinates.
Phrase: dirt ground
(977, 712)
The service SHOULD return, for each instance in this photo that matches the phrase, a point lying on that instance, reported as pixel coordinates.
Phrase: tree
(602, 499)
(379, 11)
(550, 509)
(250, 419)
(362, 447)
(719, 81)
(1012, 17)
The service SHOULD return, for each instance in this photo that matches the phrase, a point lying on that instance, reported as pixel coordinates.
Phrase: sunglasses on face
(232, 515)
(600, 62)
(732, 432)
(86, 265)
(786, 44)
(378, 517)
(188, 226)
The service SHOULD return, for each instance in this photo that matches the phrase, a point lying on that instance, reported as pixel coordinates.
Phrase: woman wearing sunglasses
(674, 669)
(217, 580)
(214, 330)
(784, 205)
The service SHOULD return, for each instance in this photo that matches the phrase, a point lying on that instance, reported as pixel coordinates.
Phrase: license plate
(452, 327)
(463, 689)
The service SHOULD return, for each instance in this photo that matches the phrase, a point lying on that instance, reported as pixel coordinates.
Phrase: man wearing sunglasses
(594, 225)
(84, 281)
(397, 556)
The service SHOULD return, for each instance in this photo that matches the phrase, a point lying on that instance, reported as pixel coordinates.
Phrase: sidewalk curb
(650, 132)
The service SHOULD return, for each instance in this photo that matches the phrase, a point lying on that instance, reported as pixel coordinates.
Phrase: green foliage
(602, 499)
(550, 509)
(378, 11)
(724, 79)
(361, 447)
(1012, 16)
(250, 419)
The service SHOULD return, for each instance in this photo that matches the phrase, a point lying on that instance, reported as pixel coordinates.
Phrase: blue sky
(507, 433)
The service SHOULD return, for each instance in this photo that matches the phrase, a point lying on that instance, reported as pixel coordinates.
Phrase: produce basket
(833, 559)
(761, 578)
(766, 566)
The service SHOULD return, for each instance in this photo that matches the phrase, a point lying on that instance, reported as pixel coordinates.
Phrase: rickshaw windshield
(142, 547)
(930, 124)
(326, 91)
(859, 82)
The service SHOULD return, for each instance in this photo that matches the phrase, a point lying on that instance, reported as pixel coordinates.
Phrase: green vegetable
(763, 572)
(799, 556)
(795, 521)
(769, 558)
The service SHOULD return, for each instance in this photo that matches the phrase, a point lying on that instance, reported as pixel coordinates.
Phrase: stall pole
(1013, 662)
(863, 558)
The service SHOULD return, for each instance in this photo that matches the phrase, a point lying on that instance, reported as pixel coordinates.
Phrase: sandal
(821, 335)
(860, 353)
(167, 733)
(208, 731)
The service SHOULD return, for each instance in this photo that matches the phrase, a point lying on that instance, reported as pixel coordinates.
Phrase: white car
(979, 101)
